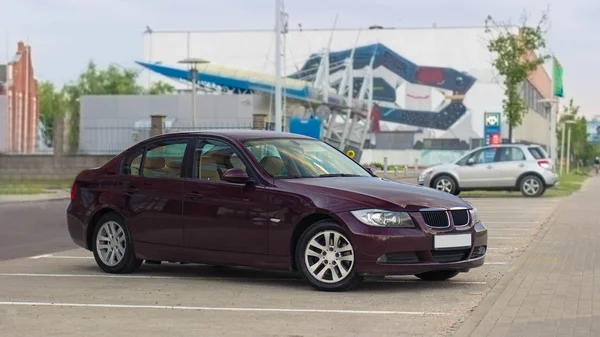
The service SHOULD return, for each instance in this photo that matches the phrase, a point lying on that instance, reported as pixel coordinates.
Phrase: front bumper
(424, 179)
(403, 251)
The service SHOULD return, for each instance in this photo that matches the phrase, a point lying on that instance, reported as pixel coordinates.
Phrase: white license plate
(452, 241)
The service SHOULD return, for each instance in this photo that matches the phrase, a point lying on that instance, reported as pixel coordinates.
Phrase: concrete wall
(108, 123)
(423, 158)
(15, 167)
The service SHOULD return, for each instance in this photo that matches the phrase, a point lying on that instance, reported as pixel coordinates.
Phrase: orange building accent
(21, 89)
(541, 80)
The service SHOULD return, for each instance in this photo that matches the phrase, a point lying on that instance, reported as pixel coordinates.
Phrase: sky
(66, 34)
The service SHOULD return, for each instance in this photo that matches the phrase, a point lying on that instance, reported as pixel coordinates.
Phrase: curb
(480, 312)
(21, 201)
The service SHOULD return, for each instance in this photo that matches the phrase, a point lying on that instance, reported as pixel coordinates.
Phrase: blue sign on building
(492, 131)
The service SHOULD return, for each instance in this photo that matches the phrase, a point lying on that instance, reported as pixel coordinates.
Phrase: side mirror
(235, 175)
(471, 161)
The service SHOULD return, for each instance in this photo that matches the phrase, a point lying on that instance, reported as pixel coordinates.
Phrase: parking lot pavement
(66, 294)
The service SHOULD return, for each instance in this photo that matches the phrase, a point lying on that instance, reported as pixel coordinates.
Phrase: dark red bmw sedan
(268, 200)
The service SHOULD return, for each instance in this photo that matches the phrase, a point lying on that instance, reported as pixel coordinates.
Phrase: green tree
(160, 88)
(95, 81)
(517, 54)
(52, 105)
(579, 148)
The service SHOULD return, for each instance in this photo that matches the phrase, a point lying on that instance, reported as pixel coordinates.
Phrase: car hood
(378, 192)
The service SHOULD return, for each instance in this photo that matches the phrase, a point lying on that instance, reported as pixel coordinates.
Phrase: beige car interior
(161, 167)
(272, 165)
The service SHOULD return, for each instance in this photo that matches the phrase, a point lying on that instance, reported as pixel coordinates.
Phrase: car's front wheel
(532, 186)
(439, 275)
(446, 184)
(113, 247)
(326, 258)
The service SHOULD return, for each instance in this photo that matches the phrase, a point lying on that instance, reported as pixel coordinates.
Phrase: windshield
(302, 158)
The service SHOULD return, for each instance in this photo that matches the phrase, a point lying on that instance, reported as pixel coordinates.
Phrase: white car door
(478, 172)
(510, 165)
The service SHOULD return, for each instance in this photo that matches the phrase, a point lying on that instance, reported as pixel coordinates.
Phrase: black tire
(128, 263)
(453, 188)
(351, 280)
(528, 181)
(439, 275)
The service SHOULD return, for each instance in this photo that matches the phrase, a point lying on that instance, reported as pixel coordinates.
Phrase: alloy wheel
(111, 243)
(531, 186)
(444, 185)
(329, 256)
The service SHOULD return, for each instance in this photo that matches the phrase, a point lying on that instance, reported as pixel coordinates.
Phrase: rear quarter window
(537, 153)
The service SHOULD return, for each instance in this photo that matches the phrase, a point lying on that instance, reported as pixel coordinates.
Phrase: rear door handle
(489, 166)
(131, 190)
(194, 195)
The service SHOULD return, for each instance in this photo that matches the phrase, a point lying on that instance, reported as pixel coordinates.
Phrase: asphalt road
(37, 293)
(33, 228)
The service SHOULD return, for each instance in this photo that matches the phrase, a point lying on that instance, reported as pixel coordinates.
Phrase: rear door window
(511, 154)
(537, 152)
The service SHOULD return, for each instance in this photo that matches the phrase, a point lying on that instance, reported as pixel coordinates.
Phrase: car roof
(511, 145)
(240, 135)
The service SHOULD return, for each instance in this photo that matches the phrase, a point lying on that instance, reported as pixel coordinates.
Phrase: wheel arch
(301, 227)
(449, 174)
(94, 222)
(530, 173)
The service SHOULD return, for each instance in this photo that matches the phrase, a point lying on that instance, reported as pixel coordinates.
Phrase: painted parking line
(391, 280)
(50, 256)
(216, 278)
(496, 263)
(199, 308)
(88, 275)
(503, 248)
(511, 222)
(148, 277)
(504, 237)
(511, 229)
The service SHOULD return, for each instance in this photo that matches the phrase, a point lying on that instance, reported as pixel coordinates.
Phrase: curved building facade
(436, 83)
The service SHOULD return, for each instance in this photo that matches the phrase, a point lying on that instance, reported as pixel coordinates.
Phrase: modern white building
(433, 83)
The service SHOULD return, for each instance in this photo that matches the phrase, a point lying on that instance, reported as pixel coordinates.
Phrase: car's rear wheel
(113, 247)
(532, 186)
(446, 184)
(326, 258)
(439, 275)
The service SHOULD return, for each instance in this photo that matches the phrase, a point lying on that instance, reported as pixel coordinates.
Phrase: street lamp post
(566, 125)
(562, 147)
(193, 62)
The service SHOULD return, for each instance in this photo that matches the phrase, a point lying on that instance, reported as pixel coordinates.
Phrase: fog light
(481, 251)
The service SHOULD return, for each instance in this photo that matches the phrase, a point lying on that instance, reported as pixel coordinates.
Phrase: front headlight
(381, 218)
(474, 216)
(425, 173)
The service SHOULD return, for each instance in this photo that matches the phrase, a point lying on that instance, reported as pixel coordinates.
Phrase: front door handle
(521, 165)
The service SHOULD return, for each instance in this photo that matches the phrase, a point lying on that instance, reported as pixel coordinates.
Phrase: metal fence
(113, 140)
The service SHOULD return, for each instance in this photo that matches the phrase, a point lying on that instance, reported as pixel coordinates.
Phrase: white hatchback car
(511, 167)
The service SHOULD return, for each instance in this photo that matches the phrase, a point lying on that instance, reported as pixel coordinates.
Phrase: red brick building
(20, 88)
